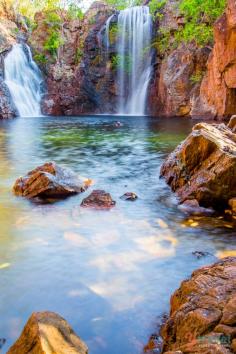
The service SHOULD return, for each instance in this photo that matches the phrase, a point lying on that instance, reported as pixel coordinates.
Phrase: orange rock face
(48, 333)
(203, 167)
(203, 312)
(217, 93)
(50, 181)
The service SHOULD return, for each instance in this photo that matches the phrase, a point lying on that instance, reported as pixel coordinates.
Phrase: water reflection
(108, 273)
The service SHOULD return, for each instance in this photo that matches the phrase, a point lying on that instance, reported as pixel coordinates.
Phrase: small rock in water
(50, 181)
(118, 124)
(2, 342)
(129, 196)
(200, 254)
(98, 199)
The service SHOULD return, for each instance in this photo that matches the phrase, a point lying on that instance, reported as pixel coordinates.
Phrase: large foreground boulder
(48, 333)
(203, 312)
(50, 181)
(203, 167)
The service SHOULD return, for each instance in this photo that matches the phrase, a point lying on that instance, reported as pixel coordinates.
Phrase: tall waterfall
(134, 59)
(24, 80)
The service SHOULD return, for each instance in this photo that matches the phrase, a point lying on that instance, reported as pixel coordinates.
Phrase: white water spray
(23, 78)
(134, 59)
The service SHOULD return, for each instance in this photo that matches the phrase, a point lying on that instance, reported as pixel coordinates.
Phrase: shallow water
(110, 274)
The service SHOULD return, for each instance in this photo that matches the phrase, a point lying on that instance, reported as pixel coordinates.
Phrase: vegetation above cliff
(197, 24)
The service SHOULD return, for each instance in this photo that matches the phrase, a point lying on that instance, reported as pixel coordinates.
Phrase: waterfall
(133, 59)
(24, 80)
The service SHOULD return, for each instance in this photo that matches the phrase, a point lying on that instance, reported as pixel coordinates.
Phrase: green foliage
(78, 55)
(124, 62)
(197, 77)
(74, 12)
(52, 19)
(40, 58)
(199, 17)
(53, 42)
(156, 6)
(123, 4)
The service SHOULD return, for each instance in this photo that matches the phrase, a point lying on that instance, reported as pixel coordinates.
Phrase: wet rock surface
(50, 181)
(217, 98)
(48, 333)
(203, 312)
(203, 167)
(83, 80)
(129, 196)
(98, 199)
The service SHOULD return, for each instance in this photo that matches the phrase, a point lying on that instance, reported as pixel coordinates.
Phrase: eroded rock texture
(203, 167)
(48, 333)
(81, 79)
(203, 312)
(218, 95)
(50, 181)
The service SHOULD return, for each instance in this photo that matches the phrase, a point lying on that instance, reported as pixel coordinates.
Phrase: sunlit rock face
(81, 80)
(176, 79)
(48, 333)
(203, 312)
(50, 181)
(203, 167)
(218, 97)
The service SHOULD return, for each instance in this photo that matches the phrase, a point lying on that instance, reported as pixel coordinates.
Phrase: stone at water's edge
(50, 181)
(203, 312)
(203, 167)
(48, 333)
(98, 199)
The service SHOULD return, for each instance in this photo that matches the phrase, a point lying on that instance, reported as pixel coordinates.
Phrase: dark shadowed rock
(130, 196)
(98, 199)
(203, 312)
(191, 207)
(50, 181)
(48, 333)
(203, 167)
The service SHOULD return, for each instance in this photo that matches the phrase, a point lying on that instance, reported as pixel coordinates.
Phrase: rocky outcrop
(203, 167)
(50, 181)
(218, 95)
(98, 199)
(175, 84)
(8, 34)
(177, 81)
(81, 79)
(48, 333)
(203, 312)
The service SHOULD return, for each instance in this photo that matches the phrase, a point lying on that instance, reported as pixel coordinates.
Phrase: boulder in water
(203, 312)
(98, 199)
(50, 181)
(203, 167)
(47, 333)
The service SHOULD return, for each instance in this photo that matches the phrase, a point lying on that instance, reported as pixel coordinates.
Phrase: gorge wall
(196, 81)
(187, 80)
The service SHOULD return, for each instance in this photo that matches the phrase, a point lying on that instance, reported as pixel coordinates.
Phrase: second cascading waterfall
(134, 59)
(24, 81)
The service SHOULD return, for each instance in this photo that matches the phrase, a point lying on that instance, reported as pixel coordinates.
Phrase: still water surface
(109, 273)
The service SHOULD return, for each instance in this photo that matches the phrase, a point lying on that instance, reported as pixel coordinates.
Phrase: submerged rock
(50, 181)
(203, 167)
(129, 196)
(191, 207)
(48, 333)
(203, 312)
(98, 199)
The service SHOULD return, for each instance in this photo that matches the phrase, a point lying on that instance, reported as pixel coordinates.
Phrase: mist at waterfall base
(133, 58)
(24, 81)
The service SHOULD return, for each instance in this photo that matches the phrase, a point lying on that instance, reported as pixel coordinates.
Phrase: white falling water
(134, 59)
(24, 80)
